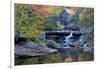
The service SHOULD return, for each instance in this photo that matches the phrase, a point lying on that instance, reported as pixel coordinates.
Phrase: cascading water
(67, 40)
(67, 51)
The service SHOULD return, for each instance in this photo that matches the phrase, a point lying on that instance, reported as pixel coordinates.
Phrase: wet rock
(87, 48)
(33, 49)
(77, 33)
(74, 44)
(72, 27)
(53, 44)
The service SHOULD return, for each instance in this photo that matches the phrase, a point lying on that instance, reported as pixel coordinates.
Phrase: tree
(29, 18)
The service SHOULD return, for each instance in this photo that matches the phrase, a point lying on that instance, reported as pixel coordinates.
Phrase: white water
(67, 39)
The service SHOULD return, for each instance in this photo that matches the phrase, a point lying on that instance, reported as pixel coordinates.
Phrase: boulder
(33, 49)
(72, 27)
(53, 44)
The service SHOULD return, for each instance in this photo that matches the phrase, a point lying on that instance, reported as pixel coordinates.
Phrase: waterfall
(67, 40)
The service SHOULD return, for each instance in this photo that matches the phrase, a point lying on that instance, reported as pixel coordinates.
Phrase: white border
(77, 3)
(74, 3)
